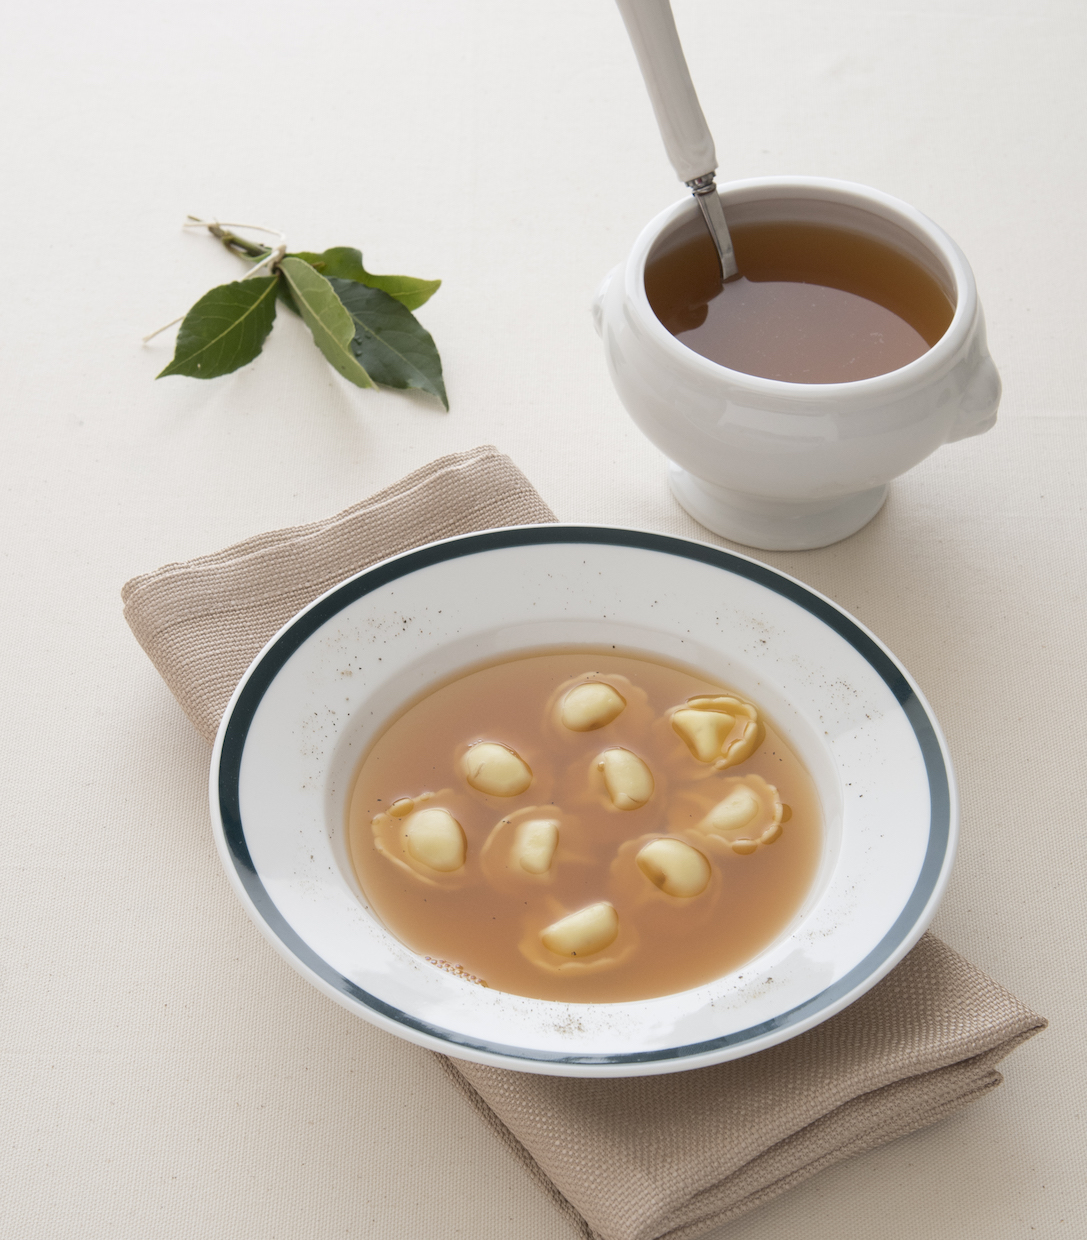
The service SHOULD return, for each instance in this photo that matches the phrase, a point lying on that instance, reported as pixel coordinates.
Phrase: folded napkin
(203, 622)
(637, 1158)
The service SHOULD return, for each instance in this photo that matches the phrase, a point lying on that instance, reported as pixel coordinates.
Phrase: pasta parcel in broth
(584, 826)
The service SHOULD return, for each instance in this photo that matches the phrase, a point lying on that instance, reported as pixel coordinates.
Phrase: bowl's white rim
(907, 928)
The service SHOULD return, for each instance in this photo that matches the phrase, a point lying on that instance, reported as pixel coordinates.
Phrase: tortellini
(627, 778)
(534, 845)
(583, 933)
(675, 867)
(591, 705)
(436, 839)
(750, 814)
(423, 838)
(723, 730)
(496, 770)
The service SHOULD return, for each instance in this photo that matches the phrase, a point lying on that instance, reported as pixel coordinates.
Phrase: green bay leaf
(332, 326)
(283, 294)
(344, 262)
(390, 341)
(226, 329)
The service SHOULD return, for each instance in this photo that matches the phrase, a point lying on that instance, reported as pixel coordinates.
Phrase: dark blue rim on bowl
(267, 667)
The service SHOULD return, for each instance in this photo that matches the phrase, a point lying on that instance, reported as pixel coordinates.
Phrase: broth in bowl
(584, 825)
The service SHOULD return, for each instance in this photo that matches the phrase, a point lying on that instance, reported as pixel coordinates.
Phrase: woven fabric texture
(203, 622)
(648, 1157)
(632, 1159)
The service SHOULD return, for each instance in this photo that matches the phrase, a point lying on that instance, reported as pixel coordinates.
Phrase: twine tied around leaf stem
(268, 256)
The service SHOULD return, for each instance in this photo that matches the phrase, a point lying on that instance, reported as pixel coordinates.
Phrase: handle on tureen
(979, 402)
(598, 300)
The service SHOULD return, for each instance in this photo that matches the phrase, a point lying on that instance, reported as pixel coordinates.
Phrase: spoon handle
(687, 137)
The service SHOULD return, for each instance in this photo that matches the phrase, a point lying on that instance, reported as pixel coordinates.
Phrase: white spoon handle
(683, 127)
(687, 137)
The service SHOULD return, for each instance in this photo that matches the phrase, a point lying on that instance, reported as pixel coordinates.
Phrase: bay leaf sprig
(363, 323)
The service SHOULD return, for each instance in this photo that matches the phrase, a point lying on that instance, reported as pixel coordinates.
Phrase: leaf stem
(239, 245)
(236, 244)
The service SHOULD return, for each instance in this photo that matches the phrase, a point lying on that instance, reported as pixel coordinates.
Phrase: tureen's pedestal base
(774, 525)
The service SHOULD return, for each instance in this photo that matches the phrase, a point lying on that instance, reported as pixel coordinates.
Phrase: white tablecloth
(164, 1073)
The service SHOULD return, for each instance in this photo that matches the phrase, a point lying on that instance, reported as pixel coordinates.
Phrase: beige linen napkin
(631, 1159)
(203, 622)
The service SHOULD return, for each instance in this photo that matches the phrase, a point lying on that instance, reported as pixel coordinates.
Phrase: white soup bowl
(329, 682)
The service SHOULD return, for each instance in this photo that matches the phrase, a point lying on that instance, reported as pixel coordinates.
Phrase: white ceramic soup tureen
(788, 466)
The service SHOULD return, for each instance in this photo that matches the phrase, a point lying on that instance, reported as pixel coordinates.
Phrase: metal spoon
(687, 137)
